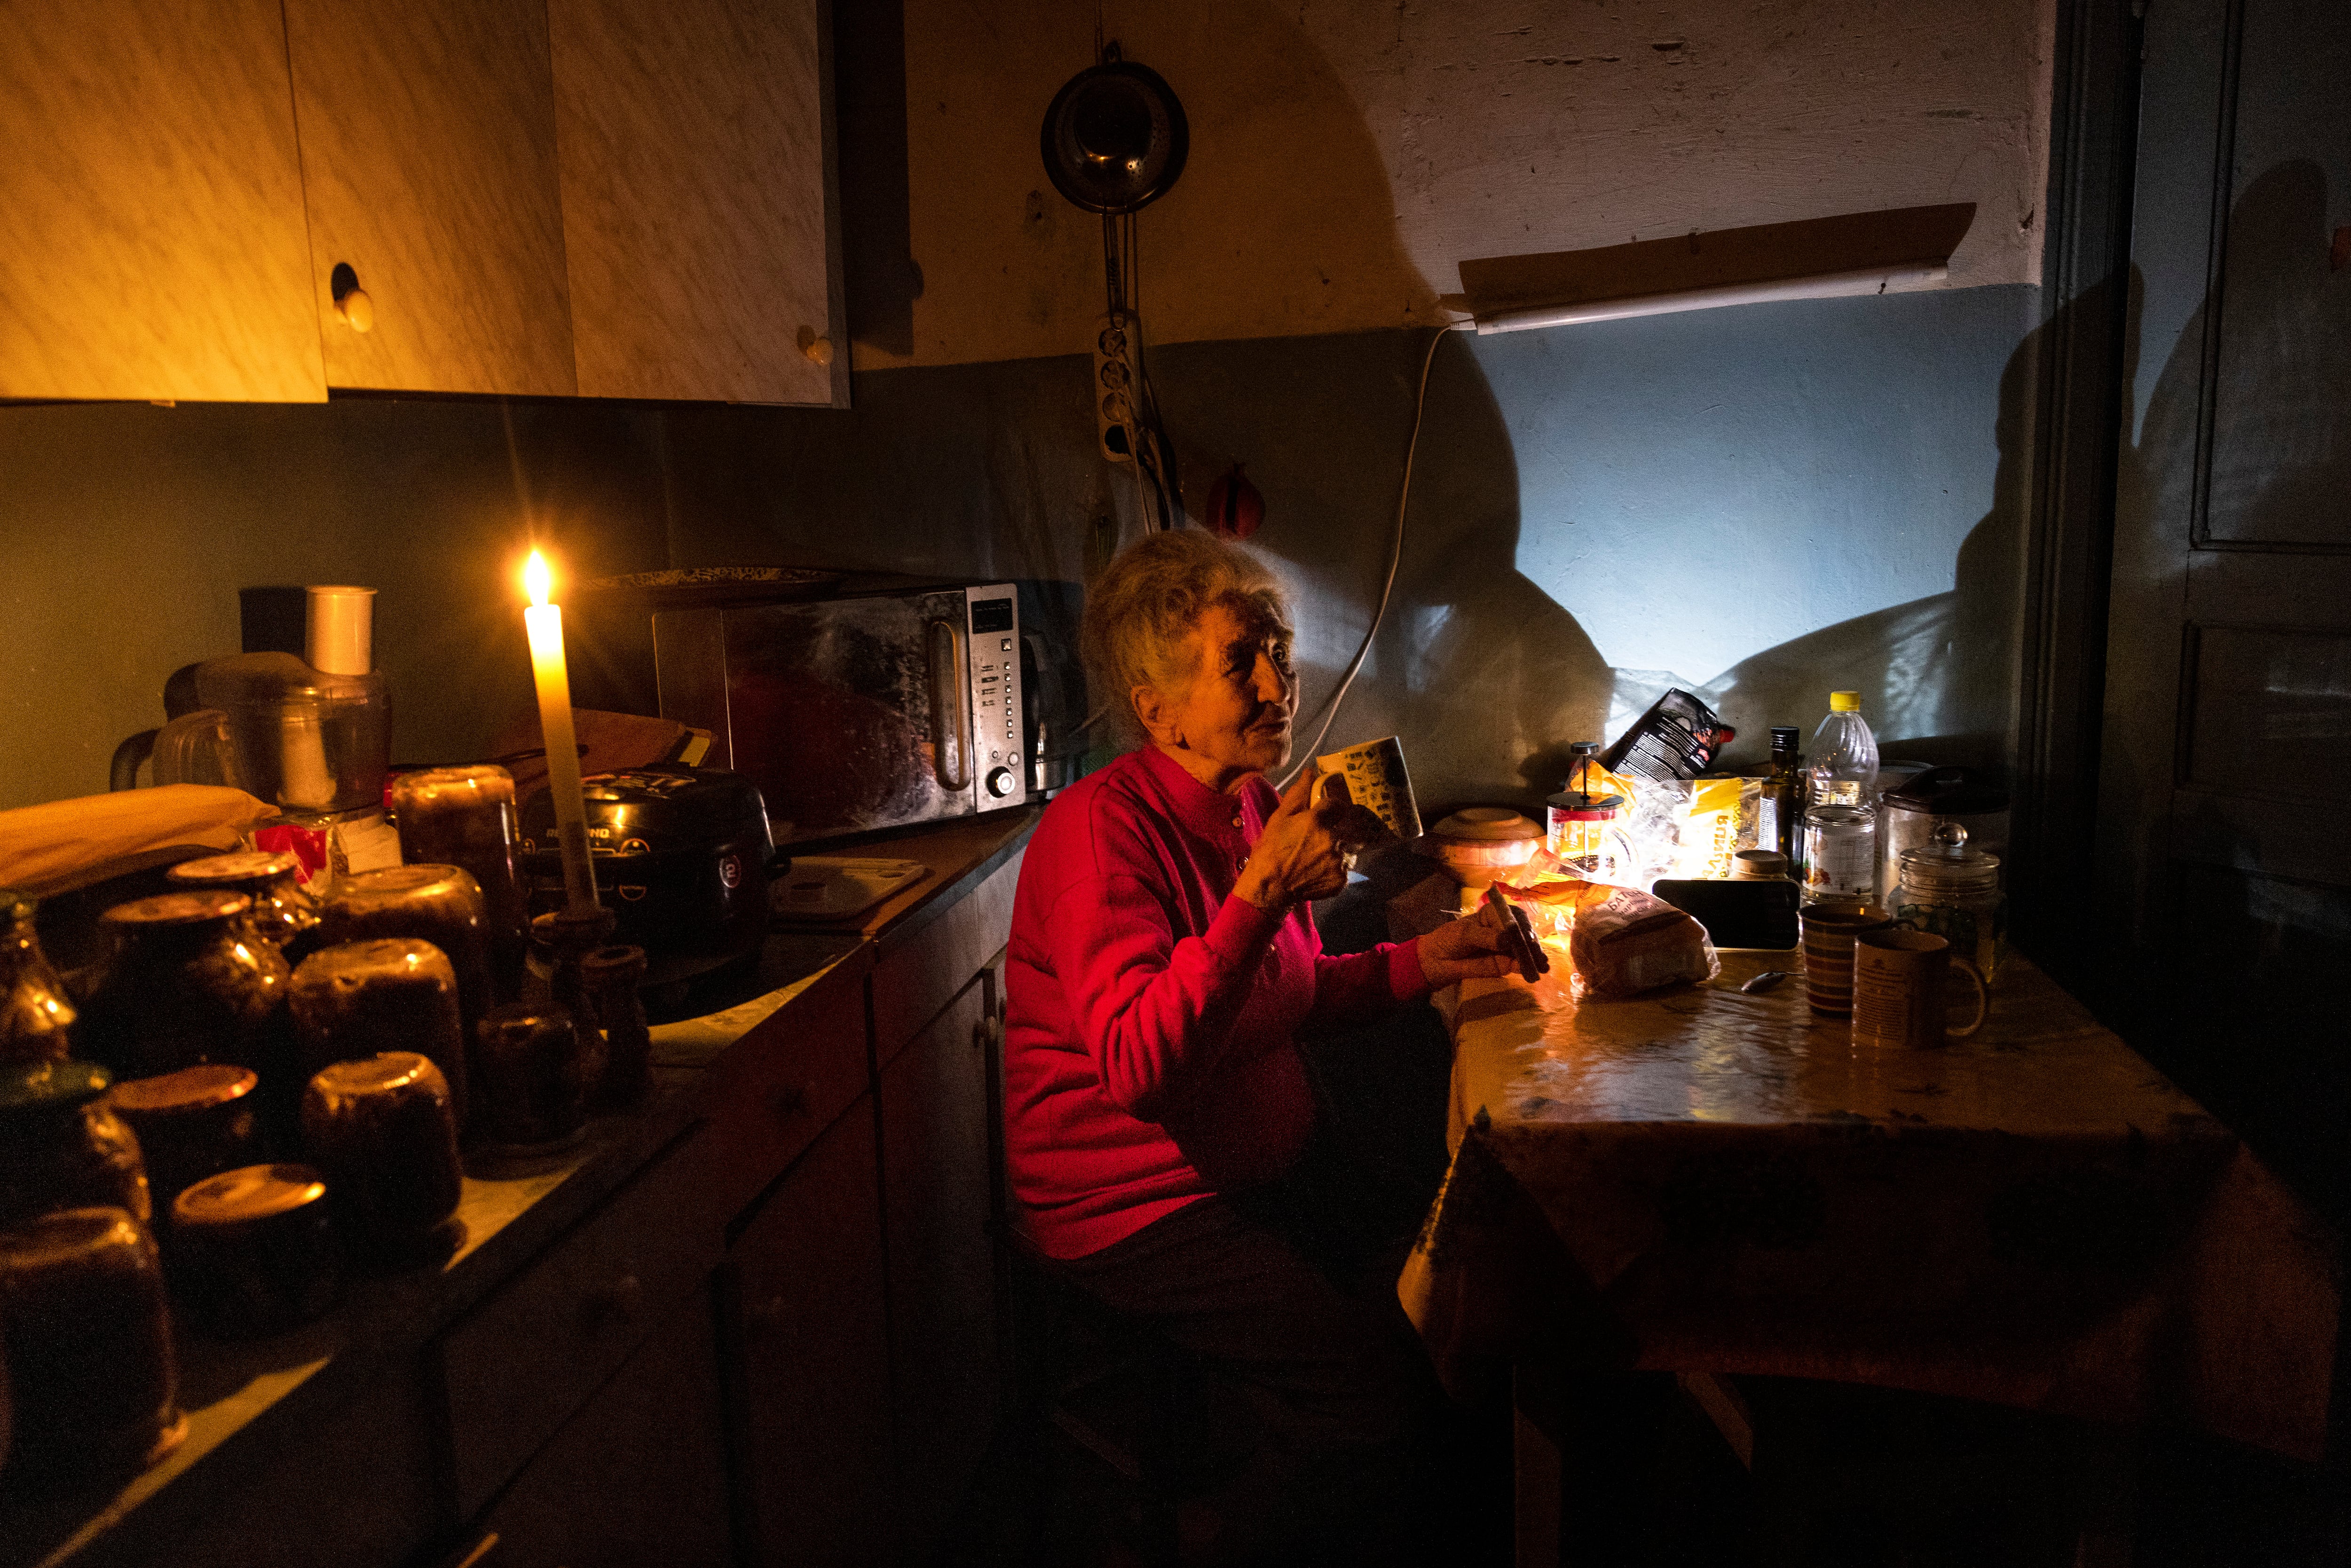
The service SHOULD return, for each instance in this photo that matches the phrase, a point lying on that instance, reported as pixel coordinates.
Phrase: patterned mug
(1829, 932)
(1898, 980)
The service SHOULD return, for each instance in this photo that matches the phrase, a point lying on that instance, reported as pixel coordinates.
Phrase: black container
(680, 857)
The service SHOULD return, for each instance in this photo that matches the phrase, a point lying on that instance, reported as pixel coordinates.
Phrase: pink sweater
(1150, 1056)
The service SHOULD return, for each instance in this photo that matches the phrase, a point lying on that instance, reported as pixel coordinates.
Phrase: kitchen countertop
(244, 1398)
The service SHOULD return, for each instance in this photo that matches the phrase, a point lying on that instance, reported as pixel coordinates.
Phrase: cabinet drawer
(786, 1082)
(922, 974)
(515, 1366)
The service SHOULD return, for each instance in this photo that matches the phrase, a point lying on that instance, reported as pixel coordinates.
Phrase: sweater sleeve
(1155, 1011)
(1356, 986)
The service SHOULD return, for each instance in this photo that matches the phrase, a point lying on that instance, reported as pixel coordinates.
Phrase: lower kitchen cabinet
(802, 1308)
(936, 1163)
(638, 1475)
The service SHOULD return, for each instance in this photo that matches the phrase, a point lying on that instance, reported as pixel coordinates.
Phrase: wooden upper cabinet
(151, 204)
(699, 218)
(428, 163)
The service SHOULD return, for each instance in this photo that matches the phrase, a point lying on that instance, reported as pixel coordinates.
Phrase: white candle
(545, 623)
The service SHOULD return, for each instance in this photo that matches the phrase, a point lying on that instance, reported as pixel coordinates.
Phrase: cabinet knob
(358, 309)
(817, 350)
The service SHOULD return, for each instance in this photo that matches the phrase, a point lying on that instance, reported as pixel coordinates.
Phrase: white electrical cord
(1329, 710)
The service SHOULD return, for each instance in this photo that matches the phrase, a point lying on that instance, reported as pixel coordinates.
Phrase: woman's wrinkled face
(1234, 715)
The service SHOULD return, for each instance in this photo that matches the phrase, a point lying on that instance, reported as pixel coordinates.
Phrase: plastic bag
(1631, 942)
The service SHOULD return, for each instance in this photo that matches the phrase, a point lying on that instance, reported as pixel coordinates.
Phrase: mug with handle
(1899, 977)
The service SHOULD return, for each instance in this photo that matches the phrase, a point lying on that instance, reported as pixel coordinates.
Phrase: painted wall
(1348, 154)
(1760, 504)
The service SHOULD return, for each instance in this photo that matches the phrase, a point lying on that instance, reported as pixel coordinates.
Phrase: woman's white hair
(1141, 611)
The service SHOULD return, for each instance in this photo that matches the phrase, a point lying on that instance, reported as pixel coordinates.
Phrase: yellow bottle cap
(1845, 702)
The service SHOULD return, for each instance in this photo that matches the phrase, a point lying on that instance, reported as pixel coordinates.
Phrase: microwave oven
(874, 704)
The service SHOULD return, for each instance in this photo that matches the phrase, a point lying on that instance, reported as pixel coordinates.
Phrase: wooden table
(1707, 1182)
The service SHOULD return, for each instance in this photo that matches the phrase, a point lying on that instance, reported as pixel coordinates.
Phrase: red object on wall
(1234, 506)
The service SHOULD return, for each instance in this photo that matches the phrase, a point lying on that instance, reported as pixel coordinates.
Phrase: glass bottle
(61, 1147)
(185, 982)
(35, 1011)
(1783, 792)
(1953, 891)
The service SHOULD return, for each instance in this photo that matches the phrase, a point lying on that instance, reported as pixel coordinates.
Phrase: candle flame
(536, 579)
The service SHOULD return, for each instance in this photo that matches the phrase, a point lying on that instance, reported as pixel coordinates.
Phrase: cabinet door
(152, 245)
(428, 163)
(697, 199)
(937, 1114)
(801, 1302)
(638, 1475)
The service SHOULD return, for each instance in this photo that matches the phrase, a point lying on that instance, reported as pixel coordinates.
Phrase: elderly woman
(1162, 962)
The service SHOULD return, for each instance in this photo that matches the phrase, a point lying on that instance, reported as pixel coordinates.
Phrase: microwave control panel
(1002, 775)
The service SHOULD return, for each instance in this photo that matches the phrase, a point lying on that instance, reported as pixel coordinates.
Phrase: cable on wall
(1329, 709)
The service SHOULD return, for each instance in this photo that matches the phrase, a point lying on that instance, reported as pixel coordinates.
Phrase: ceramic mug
(1898, 978)
(1829, 932)
(1376, 780)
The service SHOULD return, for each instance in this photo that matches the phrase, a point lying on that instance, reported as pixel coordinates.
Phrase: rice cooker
(680, 857)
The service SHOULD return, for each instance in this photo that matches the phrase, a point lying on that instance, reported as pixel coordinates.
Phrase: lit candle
(546, 624)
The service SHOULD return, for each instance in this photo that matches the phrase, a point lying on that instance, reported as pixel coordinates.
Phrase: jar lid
(378, 1074)
(1946, 856)
(400, 957)
(247, 1193)
(32, 1086)
(63, 1235)
(175, 909)
(197, 1088)
(396, 884)
(236, 869)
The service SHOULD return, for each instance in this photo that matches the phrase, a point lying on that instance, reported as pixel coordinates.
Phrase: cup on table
(1900, 977)
(1829, 932)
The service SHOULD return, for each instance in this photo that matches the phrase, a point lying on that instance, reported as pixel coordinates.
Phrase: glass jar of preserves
(356, 999)
(62, 1147)
(1954, 891)
(186, 982)
(257, 1250)
(283, 910)
(88, 1332)
(465, 817)
(442, 904)
(192, 1124)
(381, 1131)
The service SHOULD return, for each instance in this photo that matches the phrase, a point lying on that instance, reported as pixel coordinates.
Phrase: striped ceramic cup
(1829, 931)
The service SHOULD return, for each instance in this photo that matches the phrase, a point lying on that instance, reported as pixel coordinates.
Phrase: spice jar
(255, 1248)
(381, 1131)
(283, 910)
(535, 1078)
(192, 1123)
(442, 904)
(1953, 891)
(395, 993)
(35, 1011)
(185, 982)
(465, 817)
(89, 1342)
(61, 1147)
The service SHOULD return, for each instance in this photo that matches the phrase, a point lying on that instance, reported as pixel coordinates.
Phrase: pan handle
(950, 660)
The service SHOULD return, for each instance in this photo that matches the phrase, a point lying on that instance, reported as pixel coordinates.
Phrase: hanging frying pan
(1115, 138)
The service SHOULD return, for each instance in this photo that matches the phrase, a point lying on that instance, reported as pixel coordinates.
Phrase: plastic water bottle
(1841, 767)
(1840, 848)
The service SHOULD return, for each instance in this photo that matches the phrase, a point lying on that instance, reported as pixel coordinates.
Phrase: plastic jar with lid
(1954, 891)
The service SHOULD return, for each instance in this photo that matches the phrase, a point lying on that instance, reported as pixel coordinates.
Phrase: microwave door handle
(950, 699)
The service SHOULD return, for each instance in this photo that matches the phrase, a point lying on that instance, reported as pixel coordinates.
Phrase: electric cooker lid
(662, 807)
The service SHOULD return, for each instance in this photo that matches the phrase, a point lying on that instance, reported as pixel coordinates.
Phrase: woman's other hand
(1469, 949)
(1303, 853)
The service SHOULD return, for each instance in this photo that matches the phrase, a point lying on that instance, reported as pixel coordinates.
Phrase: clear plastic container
(1842, 770)
(315, 745)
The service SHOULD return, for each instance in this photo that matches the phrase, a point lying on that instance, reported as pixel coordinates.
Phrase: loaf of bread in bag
(1634, 943)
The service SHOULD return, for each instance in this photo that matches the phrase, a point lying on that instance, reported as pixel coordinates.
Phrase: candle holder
(559, 946)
